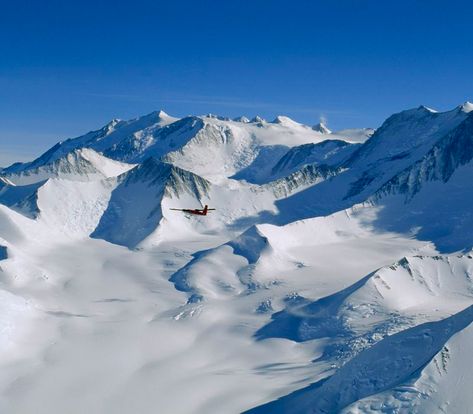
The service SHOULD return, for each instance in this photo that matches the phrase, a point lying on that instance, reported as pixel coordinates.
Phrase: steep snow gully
(334, 276)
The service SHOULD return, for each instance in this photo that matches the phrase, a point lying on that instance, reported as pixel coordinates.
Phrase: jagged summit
(218, 117)
(257, 119)
(110, 127)
(321, 128)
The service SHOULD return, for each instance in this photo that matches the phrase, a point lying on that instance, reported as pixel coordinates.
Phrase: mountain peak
(150, 165)
(243, 119)
(162, 114)
(114, 122)
(284, 120)
(110, 127)
(173, 180)
(466, 107)
(426, 109)
(321, 128)
(154, 168)
(257, 119)
(163, 117)
(158, 117)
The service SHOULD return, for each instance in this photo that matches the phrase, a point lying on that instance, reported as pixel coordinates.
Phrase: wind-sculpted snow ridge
(378, 311)
(389, 363)
(254, 258)
(436, 388)
(410, 286)
(225, 270)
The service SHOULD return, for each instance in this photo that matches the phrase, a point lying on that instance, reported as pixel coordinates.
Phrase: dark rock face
(448, 154)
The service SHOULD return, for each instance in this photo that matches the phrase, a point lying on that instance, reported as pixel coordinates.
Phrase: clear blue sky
(67, 67)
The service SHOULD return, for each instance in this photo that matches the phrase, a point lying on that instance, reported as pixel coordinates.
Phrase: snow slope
(334, 275)
(135, 211)
(436, 388)
(81, 164)
(402, 140)
(384, 365)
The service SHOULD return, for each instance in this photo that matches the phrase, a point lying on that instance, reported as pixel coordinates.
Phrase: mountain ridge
(336, 266)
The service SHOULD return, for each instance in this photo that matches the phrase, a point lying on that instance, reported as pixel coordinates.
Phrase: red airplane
(196, 212)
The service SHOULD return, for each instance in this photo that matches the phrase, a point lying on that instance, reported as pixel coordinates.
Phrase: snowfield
(334, 276)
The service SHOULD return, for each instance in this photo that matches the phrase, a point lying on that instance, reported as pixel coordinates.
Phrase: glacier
(334, 276)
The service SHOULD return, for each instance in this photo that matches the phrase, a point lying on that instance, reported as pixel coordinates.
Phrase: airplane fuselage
(195, 211)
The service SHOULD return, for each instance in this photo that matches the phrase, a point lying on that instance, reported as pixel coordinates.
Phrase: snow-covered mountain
(334, 275)
(135, 208)
(209, 146)
(83, 164)
(322, 128)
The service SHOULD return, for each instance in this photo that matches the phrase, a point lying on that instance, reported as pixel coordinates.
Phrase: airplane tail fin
(206, 209)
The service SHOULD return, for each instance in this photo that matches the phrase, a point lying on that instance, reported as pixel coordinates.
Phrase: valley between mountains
(334, 276)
